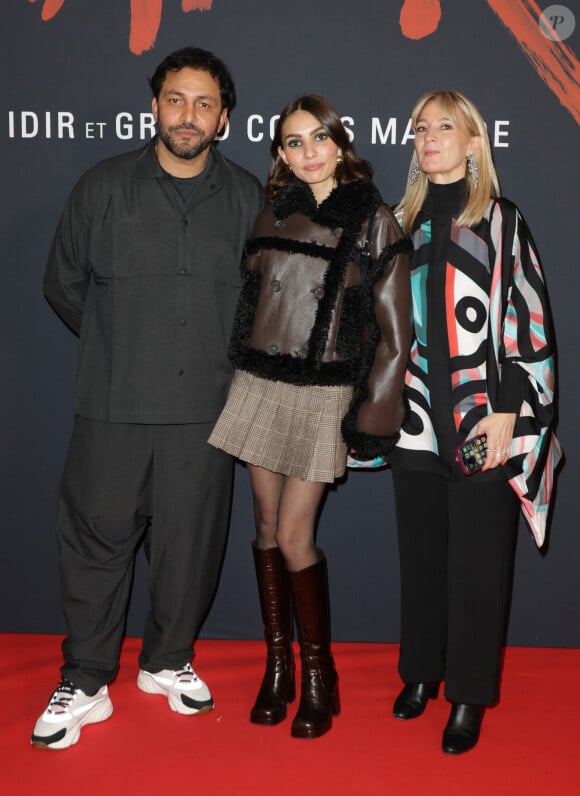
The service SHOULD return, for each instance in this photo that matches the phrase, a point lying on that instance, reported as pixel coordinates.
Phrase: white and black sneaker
(68, 710)
(185, 692)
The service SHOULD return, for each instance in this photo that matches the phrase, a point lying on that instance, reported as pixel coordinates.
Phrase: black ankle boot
(319, 700)
(462, 730)
(413, 699)
(278, 687)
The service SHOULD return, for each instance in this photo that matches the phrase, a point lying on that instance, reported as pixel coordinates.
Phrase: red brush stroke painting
(145, 19)
(196, 5)
(419, 18)
(554, 62)
(50, 8)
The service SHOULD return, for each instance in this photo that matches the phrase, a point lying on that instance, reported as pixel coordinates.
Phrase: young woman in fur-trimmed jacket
(321, 340)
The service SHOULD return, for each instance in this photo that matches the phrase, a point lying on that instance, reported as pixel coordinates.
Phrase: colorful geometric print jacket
(521, 331)
(306, 316)
(503, 333)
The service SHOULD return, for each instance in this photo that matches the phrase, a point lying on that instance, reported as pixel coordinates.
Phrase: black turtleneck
(442, 203)
(444, 199)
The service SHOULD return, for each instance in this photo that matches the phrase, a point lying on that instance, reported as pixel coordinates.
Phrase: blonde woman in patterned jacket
(481, 363)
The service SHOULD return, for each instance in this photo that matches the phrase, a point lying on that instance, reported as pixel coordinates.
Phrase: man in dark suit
(144, 267)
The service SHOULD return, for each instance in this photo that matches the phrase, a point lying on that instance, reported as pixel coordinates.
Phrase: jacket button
(183, 322)
(276, 285)
(319, 292)
(180, 372)
(279, 224)
(184, 221)
(273, 349)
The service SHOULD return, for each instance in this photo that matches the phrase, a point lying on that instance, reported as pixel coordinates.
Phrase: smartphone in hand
(472, 454)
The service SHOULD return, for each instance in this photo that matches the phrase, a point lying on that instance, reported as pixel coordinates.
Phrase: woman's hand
(499, 427)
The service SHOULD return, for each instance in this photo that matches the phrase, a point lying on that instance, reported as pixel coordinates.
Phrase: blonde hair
(454, 105)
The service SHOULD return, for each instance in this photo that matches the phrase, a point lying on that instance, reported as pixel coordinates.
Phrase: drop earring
(473, 169)
(414, 172)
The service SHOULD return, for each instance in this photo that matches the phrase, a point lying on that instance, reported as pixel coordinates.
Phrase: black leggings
(456, 547)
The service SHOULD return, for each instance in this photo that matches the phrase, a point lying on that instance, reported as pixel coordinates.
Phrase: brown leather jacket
(307, 316)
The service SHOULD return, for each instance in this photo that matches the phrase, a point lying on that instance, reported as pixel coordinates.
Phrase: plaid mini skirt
(285, 428)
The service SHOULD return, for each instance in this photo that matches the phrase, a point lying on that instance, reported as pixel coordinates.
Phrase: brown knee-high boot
(278, 686)
(319, 700)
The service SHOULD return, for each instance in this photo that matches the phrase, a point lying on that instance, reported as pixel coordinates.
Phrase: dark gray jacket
(150, 287)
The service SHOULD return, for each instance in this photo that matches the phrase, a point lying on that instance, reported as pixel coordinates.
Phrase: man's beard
(187, 150)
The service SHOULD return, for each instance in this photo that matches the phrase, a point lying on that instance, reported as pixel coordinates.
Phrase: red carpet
(530, 743)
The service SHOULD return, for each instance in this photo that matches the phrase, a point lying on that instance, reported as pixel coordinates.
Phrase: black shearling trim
(296, 197)
(347, 206)
(291, 246)
(366, 445)
(333, 280)
(349, 328)
(245, 310)
(291, 369)
(401, 246)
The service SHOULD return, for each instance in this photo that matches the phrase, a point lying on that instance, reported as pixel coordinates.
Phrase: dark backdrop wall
(75, 91)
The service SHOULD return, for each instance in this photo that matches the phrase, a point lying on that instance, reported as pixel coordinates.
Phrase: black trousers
(120, 482)
(456, 546)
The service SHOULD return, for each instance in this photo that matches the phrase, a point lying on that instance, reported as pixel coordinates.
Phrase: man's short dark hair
(196, 58)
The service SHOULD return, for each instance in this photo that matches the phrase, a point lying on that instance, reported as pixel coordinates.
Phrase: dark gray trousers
(456, 547)
(120, 482)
